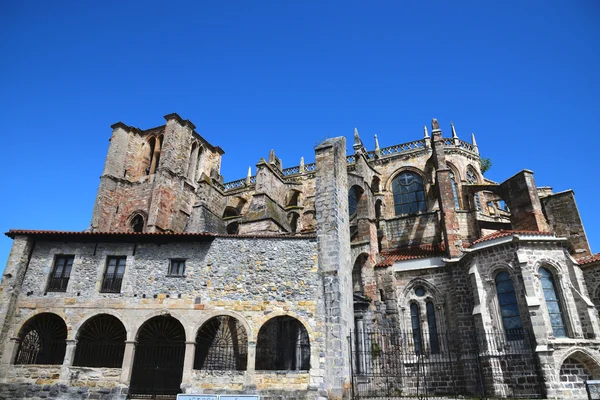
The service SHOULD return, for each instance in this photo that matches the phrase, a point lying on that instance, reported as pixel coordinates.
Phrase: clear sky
(260, 75)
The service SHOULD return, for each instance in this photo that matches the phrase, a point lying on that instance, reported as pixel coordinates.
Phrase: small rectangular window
(113, 276)
(59, 278)
(177, 267)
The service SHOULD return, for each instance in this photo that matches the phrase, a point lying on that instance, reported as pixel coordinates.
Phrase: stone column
(335, 265)
(68, 360)
(188, 363)
(127, 366)
(250, 380)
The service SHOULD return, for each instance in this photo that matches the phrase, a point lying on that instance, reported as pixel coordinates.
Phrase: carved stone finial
(435, 125)
(376, 143)
(272, 156)
(357, 140)
(249, 172)
(301, 169)
(454, 135)
(473, 142)
(426, 134)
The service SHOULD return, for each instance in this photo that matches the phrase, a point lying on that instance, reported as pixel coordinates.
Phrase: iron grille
(112, 283)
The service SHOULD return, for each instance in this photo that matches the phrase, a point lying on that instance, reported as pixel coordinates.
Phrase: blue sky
(261, 75)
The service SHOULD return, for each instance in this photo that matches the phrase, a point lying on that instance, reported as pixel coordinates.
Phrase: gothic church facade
(392, 272)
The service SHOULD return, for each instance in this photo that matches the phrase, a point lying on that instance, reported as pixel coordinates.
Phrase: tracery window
(434, 343)
(353, 198)
(509, 308)
(42, 340)
(415, 321)
(221, 344)
(101, 343)
(409, 194)
(283, 344)
(472, 180)
(455, 191)
(553, 303)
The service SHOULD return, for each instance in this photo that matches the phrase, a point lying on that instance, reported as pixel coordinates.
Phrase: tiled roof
(142, 235)
(505, 233)
(411, 253)
(589, 259)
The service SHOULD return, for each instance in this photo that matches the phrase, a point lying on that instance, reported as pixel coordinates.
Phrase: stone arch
(15, 331)
(191, 167)
(279, 313)
(283, 343)
(100, 342)
(293, 198)
(107, 311)
(495, 269)
(576, 367)
(554, 266)
(388, 183)
(221, 344)
(200, 162)
(357, 272)
(135, 331)
(428, 286)
(42, 340)
(208, 315)
(137, 221)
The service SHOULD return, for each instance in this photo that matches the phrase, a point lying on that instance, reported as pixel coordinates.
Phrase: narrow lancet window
(509, 308)
(553, 303)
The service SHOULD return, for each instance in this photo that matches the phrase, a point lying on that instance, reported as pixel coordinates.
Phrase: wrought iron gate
(158, 361)
(391, 364)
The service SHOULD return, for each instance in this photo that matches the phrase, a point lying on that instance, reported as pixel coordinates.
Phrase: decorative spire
(357, 141)
(454, 135)
(272, 156)
(435, 126)
(248, 176)
(425, 130)
(301, 168)
(377, 149)
(473, 141)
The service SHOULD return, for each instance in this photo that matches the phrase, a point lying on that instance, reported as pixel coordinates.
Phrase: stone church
(387, 273)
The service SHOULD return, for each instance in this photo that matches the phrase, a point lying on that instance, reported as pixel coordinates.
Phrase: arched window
(137, 223)
(42, 340)
(283, 345)
(293, 198)
(200, 164)
(415, 321)
(409, 194)
(101, 343)
(357, 285)
(553, 303)
(509, 308)
(434, 343)
(353, 198)
(221, 344)
(472, 180)
(455, 191)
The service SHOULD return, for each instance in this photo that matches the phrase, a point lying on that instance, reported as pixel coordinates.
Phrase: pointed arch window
(415, 321)
(472, 180)
(409, 194)
(553, 303)
(455, 191)
(509, 308)
(434, 343)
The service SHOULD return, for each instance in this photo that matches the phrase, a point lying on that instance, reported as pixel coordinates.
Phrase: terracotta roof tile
(411, 253)
(141, 235)
(505, 233)
(589, 259)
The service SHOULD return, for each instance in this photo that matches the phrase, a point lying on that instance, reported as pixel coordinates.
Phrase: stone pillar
(12, 278)
(127, 366)
(445, 194)
(188, 363)
(335, 265)
(68, 360)
(250, 380)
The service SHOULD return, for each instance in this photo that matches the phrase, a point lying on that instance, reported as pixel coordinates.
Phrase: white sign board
(217, 397)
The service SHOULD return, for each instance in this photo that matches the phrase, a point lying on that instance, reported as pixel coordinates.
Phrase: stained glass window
(509, 308)
(455, 191)
(409, 194)
(553, 303)
(472, 180)
(416, 327)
